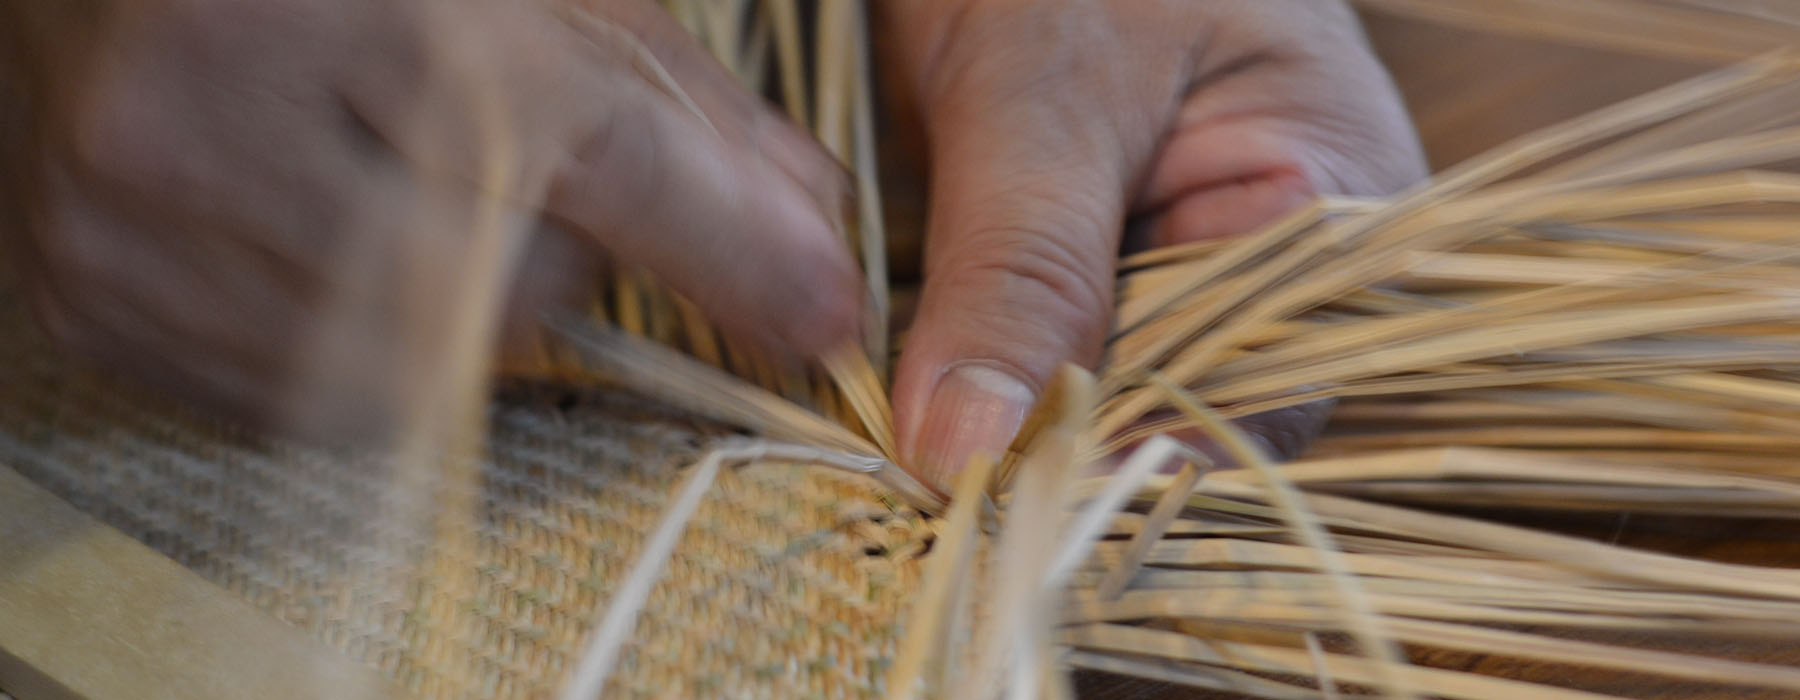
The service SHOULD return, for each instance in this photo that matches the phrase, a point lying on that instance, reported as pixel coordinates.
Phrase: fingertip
(812, 294)
(975, 408)
(824, 313)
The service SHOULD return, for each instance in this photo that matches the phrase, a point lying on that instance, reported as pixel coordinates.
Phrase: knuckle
(1046, 279)
(620, 159)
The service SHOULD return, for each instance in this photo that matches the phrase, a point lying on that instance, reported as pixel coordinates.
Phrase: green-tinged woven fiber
(788, 584)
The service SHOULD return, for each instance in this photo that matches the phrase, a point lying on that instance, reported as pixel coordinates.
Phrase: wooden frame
(87, 612)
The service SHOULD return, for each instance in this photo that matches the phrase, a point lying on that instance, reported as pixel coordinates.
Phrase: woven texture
(788, 583)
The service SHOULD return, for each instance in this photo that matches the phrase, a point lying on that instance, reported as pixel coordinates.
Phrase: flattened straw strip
(1499, 591)
(1541, 332)
(753, 62)
(1234, 512)
(1532, 270)
(628, 303)
(654, 370)
(698, 336)
(1217, 507)
(949, 563)
(872, 231)
(1648, 500)
(858, 383)
(718, 22)
(1778, 466)
(1056, 682)
(1092, 523)
(618, 619)
(951, 666)
(621, 613)
(785, 16)
(1270, 659)
(1333, 206)
(1175, 254)
(1199, 358)
(832, 63)
(1243, 252)
(1522, 204)
(1666, 664)
(1755, 392)
(1309, 609)
(1460, 570)
(1733, 153)
(1379, 333)
(1028, 544)
(1359, 614)
(1167, 671)
(1534, 148)
(1127, 523)
(1321, 670)
(1464, 463)
(1194, 467)
(1429, 383)
(1575, 438)
(1516, 155)
(1158, 339)
(1556, 550)
(1670, 234)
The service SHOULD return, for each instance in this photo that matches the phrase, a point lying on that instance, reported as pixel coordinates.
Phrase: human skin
(1051, 122)
(268, 206)
(262, 204)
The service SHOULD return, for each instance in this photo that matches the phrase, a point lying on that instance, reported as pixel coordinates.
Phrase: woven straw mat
(788, 583)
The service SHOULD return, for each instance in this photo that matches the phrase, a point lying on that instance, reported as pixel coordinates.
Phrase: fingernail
(977, 408)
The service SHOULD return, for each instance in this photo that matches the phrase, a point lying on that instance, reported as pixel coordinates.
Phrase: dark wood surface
(87, 612)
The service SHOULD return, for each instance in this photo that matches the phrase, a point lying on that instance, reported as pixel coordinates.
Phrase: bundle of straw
(1593, 323)
(1600, 317)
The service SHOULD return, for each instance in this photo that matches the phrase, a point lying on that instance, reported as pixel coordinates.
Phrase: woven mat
(788, 583)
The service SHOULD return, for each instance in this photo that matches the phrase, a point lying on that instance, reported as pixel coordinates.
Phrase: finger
(733, 110)
(558, 271)
(1027, 202)
(1282, 434)
(1229, 209)
(1303, 118)
(1224, 180)
(727, 229)
(626, 161)
(101, 292)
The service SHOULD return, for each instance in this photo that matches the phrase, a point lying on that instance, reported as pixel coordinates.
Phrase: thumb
(1027, 203)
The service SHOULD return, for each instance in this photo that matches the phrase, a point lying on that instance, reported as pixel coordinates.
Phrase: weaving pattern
(788, 585)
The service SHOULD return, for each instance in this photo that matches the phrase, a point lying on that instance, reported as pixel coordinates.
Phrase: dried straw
(1597, 317)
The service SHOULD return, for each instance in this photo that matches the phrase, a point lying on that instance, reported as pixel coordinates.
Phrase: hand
(271, 206)
(1052, 121)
